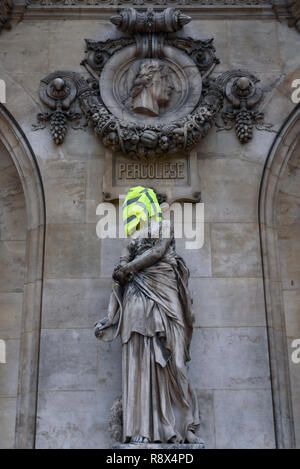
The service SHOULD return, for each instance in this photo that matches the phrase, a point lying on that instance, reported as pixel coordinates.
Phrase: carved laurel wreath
(149, 141)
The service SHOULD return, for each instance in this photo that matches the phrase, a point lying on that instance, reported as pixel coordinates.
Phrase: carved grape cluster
(58, 126)
(244, 125)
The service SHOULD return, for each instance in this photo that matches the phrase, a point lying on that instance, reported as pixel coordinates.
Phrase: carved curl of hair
(145, 77)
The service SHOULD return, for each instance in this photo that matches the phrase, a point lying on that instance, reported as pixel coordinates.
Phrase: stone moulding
(39, 10)
(147, 3)
(159, 446)
(87, 9)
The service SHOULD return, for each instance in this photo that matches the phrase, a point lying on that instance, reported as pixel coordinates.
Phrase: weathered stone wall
(79, 378)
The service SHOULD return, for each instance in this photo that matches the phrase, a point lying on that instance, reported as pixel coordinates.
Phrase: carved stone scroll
(130, 21)
(202, 52)
(98, 53)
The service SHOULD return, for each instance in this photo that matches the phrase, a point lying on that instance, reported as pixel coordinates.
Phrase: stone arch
(20, 151)
(279, 155)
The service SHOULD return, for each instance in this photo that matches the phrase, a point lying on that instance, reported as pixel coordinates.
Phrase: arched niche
(288, 222)
(25, 165)
(13, 234)
(273, 180)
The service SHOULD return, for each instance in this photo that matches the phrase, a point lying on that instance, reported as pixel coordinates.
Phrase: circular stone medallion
(150, 91)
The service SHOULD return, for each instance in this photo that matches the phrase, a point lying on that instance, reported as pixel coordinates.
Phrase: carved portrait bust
(151, 89)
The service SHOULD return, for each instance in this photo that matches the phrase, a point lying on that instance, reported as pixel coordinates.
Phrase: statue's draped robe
(152, 314)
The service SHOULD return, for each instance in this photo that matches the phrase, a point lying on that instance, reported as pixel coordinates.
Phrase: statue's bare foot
(175, 439)
(193, 439)
(139, 439)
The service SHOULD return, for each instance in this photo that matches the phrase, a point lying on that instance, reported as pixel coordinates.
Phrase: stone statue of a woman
(150, 308)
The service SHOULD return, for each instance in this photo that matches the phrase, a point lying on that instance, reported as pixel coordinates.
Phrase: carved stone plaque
(175, 177)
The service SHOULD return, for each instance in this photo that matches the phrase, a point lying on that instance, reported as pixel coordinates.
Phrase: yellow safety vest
(140, 204)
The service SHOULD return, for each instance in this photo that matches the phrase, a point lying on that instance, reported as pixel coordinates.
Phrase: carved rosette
(243, 98)
(58, 92)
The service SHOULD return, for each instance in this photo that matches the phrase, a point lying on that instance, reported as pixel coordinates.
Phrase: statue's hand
(99, 326)
(120, 275)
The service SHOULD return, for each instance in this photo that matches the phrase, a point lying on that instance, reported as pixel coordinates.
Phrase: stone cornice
(141, 4)
(103, 9)
(96, 9)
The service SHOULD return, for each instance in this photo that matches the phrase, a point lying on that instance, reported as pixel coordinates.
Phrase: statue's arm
(124, 259)
(149, 257)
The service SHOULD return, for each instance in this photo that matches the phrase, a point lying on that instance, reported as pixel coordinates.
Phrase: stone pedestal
(159, 446)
